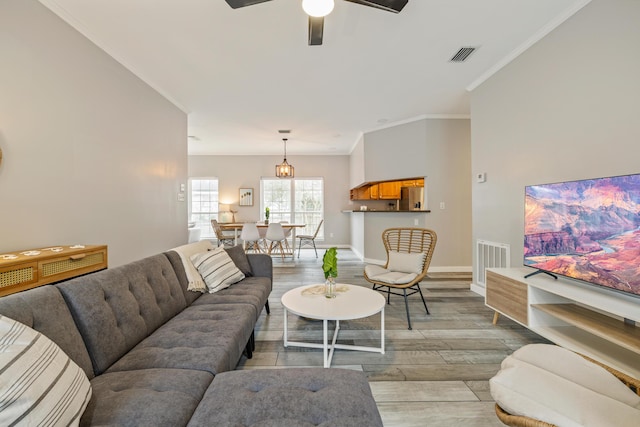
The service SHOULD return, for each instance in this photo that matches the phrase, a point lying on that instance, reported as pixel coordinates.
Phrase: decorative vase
(266, 221)
(330, 287)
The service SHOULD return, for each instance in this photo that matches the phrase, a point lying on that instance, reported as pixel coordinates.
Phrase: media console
(576, 316)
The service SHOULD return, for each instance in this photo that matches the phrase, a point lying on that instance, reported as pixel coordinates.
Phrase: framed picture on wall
(246, 197)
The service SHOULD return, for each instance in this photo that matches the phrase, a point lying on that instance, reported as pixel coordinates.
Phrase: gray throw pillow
(240, 259)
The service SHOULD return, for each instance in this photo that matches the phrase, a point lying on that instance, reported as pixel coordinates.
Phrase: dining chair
(275, 235)
(309, 239)
(224, 239)
(409, 252)
(250, 237)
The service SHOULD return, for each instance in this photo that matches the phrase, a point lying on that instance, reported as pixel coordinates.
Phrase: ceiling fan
(316, 19)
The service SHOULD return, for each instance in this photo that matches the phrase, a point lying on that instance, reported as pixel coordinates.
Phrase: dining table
(236, 227)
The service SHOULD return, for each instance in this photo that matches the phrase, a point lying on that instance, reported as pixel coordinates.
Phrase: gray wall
(440, 150)
(234, 172)
(565, 109)
(91, 153)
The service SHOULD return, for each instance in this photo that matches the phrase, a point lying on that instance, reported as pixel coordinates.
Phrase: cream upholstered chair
(309, 239)
(275, 235)
(409, 252)
(573, 401)
(251, 237)
(224, 239)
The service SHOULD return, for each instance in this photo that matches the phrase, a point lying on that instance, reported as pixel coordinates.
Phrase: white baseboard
(480, 290)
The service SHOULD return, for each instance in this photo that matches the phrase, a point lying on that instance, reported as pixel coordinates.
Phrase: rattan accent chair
(406, 241)
(522, 421)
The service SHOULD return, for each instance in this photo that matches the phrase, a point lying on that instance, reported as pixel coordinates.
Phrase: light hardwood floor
(434, 375)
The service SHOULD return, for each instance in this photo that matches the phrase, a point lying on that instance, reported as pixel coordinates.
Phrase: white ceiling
(243, 74)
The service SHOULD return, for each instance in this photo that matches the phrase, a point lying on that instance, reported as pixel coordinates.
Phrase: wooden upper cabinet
(374, 192)
(389, 190)
(385, 190)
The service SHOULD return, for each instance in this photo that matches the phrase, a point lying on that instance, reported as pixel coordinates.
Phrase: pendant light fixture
(317, 8)
(284, 169)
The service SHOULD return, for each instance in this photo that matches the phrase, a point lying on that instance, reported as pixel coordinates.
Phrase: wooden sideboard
(30, 268)
(582, 318)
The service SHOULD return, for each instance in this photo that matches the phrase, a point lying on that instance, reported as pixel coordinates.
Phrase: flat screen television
(586, 230)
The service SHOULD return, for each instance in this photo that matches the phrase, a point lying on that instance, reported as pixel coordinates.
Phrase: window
(299, 200)
(203, 204)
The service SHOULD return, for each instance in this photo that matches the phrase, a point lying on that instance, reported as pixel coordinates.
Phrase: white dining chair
(250, 237)
(275, 236)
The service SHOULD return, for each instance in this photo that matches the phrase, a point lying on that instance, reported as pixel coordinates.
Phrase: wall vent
(462, 54)
(490, 255)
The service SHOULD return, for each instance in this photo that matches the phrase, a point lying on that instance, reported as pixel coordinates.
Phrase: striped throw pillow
(217, 269)
(39, 383)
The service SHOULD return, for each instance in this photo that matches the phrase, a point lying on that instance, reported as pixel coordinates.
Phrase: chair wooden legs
(266, 306)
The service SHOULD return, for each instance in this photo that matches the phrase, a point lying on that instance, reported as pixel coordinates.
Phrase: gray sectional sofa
(157, 354)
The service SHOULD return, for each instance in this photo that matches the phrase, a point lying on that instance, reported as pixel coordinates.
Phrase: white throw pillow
(195, 282)
(406, 263)
(39, 383)
(217, 269)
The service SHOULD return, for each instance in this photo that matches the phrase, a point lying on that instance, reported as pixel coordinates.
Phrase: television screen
(586, 230)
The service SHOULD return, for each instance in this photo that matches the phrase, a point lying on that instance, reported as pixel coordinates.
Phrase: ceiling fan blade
(316, 28)
(394, 6)
(242, 3)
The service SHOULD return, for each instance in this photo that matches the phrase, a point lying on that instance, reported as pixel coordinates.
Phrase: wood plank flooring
(434, 375)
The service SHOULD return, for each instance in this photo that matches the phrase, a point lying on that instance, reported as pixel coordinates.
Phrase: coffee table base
(329, 349)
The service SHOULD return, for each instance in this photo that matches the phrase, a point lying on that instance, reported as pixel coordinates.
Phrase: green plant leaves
(330, 263)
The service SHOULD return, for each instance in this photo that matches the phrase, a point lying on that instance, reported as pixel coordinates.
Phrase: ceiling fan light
(317, 8)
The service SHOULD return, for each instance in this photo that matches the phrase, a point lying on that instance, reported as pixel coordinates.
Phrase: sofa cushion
(217, 269)
(36, 309)
(39, 383)
(252, 290)
(151, 397)
(117, 308)
(288, 397)
(209, 337)
(239, 258)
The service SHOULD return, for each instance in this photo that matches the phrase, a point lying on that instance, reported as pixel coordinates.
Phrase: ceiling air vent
(462, 54)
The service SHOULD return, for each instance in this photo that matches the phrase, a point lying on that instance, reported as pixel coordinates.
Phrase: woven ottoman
(288, 397)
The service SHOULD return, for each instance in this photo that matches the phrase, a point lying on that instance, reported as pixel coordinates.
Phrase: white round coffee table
(355, 302)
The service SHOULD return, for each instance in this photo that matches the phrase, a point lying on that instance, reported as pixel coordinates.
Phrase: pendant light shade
(317, 8)
(284, 169)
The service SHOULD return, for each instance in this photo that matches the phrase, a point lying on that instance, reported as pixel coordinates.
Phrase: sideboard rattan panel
(27, 269)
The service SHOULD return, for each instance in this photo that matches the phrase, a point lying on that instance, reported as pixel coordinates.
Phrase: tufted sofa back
(117, 308)
(44, 310)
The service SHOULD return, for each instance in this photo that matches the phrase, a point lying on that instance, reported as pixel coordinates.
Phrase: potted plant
(266, 215)
(330, 269)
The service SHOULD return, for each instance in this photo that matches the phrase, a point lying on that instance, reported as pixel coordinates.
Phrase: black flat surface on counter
(384, 211)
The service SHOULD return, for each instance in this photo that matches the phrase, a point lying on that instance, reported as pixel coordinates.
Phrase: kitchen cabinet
(374, 192)
(383, 190)
(389, 190)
